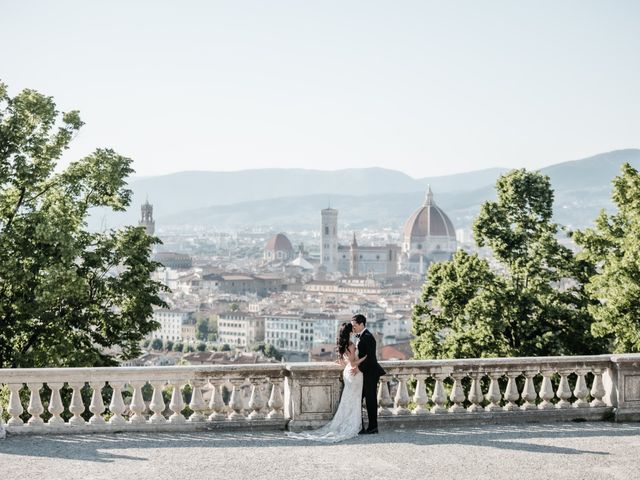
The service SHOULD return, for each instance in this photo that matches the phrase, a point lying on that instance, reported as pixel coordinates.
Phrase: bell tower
(329, 238)
(146, 219)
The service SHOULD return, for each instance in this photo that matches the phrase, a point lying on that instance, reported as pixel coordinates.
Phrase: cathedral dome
(278, 248)
(428, 221)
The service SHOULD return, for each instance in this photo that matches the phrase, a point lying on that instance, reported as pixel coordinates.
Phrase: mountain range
(366, 197)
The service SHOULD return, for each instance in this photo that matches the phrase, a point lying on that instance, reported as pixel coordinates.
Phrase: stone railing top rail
(187, 372)
(487, 364)
(274, 370)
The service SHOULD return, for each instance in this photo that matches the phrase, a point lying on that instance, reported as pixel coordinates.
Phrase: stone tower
(146, 220)
(329, 237)
(353, 265)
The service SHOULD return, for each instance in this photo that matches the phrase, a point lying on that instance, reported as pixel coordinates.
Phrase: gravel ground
(597, 450)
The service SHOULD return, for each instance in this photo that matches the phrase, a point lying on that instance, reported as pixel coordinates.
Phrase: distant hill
(375, 197)
(464, 181)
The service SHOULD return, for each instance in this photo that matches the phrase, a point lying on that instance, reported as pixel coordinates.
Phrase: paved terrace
(587, 450)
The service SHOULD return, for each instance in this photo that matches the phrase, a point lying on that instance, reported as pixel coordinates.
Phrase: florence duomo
(427, 236)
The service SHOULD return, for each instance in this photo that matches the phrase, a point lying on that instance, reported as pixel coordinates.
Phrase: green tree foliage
(533, 303)
(168, 345)
(225, 348)
(201, 347)
(612, 246)
(66, 294)
(202, 328)
(156, 344)
(178, 347)
(268, 350)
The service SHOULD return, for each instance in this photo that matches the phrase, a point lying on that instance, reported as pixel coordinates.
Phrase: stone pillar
(622, 387)
(311, 394)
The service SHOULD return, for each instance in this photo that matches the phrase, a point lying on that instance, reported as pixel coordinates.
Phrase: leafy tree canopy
(268, 350)
(529, 302)
(613, 247)
(66, 294)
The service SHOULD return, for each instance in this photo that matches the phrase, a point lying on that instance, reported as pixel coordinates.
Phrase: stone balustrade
(305, 395)
(113, 399)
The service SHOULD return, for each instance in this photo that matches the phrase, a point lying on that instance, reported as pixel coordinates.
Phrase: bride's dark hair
(343, 338)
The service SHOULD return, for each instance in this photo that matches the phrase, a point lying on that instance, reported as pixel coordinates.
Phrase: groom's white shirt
(359, 336)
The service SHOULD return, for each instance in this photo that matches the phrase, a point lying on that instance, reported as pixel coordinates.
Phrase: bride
(347, 421)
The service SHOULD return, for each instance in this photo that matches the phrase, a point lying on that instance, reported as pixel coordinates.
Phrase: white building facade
(240, 329)
(289, 332)
(175, 325)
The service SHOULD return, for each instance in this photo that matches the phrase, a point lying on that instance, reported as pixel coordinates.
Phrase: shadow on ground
(98, 447)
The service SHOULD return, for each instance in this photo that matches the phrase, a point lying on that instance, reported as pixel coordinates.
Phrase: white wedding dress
(347, 421)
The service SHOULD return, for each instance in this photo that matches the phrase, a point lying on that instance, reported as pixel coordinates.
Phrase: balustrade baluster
(511, 394)
(494, 395)
(546, 391)
(529, 391)
(420, 398)
(35, 407)
(97, 405)
(197, 403)
(439, 397)
(457, 394)
(15, 405)
(76, 406)
(116, 406)
(216, 404)
(475, 393)
(581, 392)
(137, 405)
(177, 402)
(157, 404)
(55, 404)
(402, 396)
(384, 398)
(564, 392)
(276, 402)
(597, 389)
(235, 402)
(256, 402)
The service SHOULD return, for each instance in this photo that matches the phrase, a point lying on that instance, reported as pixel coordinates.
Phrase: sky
(428, 88)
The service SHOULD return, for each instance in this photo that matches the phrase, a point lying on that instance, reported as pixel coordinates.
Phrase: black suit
(371, 373)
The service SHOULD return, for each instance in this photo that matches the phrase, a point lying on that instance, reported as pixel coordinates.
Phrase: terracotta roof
(429, 220)
(279, 243)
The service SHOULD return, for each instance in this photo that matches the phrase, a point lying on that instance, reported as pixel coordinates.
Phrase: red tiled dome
(279, 243)
(428, 221)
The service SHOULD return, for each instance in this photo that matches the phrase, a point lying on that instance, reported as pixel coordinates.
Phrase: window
(326, 230)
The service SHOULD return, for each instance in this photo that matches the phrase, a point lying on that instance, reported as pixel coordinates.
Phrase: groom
(371, 370)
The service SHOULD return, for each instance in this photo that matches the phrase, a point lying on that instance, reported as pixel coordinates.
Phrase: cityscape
(265, 290)
(319, 239)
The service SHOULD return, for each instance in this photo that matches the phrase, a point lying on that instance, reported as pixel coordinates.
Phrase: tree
(203, 327)
(66, 294)
(178, 347)
(168, 345)
(201, 347)
(458, 316)
(612, 248)
(225, 348)
(156, 344)
(533, 303)
(268, 350)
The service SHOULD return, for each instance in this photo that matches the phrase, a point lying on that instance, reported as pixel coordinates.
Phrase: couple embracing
(357, 352)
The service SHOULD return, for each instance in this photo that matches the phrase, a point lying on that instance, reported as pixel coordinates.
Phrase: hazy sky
(429, 88)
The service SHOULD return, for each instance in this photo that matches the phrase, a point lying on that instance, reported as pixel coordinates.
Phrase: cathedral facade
(428, 236)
